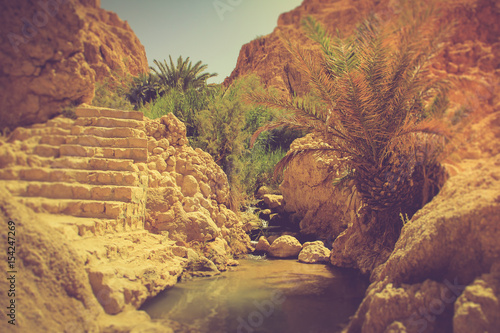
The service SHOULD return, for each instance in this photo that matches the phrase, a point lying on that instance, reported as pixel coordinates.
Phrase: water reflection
(264, 296)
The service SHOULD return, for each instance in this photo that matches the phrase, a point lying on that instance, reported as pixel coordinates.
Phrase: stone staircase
(83, 172)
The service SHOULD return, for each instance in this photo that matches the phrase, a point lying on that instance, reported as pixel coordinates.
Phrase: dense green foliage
(185, 105)
(220, 122)
(112, 94)
(217, 118)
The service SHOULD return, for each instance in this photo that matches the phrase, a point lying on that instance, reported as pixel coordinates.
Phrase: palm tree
(145, 88)
(376, 101)
(183, 75)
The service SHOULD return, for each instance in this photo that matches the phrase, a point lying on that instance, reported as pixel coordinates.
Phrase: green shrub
(185, 105)
(112, 94)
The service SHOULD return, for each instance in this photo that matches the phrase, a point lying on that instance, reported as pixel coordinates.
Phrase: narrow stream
(264, 296)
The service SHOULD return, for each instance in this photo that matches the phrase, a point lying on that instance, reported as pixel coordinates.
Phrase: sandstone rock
(262, 191)
(52, 273)
(477, 309)
(273, 201)
(263, 245)
(107, 292)
(265, 214)
(272, 238)
(322, 208)
(422, 307)
(354, 249)
(285, 247)
(203, 267)
(442, 242)
(218, 252)
(314, 252)
(267, 57)
(190, 186)
(189, 198)
(134, 321)
(54, 53)
(465, 209)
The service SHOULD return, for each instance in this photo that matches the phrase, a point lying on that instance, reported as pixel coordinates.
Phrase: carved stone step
(96, 141)
(94, 163)
(60, 190)
(108, 113)
(91, 177)
(109, 122)
(82, 208)
(118, 132)
(78, 228)
(45, 150)
(136, 154)
(23, 134)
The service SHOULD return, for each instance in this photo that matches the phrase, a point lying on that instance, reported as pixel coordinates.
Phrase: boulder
(263, 245)
(477, 309)
(190, 186)
(273, 201)
(321, 208)
(314, 252)
(285, 247)
(263, 190)
(202, 267)
(218, 252)
(422, 307)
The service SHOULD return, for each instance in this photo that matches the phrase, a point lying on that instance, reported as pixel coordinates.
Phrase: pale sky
(212, 31)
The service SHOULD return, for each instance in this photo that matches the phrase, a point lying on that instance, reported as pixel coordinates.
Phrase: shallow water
(264, 296)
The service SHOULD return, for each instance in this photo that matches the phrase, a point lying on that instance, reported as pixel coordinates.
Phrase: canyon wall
(53, 52)
(476, 38)
(267, 57)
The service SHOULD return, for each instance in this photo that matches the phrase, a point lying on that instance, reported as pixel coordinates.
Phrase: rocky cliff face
(267, 57)
(475, 41)
(54, 51)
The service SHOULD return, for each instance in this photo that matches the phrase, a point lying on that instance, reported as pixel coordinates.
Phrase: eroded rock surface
(477, 309)
(308, 193)
(285, 247)
(188, 191)
(262, 245)
(54, 51)
(450, 244)
(473, 45)
(466, 209)
(314, 252)
(50, 272)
